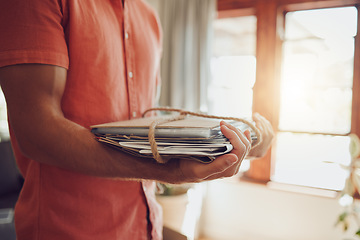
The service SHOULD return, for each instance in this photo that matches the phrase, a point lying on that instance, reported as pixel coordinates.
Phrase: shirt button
(126, 35)
(130, 74)
(134, 114)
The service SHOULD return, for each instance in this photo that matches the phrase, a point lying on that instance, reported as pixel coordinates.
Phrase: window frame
(270, 32)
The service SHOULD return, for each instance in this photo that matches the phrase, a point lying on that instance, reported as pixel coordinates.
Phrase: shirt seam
(11, 57)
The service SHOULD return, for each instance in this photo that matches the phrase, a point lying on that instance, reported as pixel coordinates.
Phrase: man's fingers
(240, 141)
(220, 165)
(232, 135)
(198, 171)
(241, 135)
(263, 125)
(225, 172)
(248, 135)
(237, 138)
(262, 122)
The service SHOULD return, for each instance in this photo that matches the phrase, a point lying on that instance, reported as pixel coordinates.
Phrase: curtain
(185, 66)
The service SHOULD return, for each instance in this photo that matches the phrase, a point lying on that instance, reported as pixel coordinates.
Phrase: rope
(151, 136)
(182, 115)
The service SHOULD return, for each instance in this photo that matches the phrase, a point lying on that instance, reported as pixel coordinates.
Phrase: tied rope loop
(182, 115)
(151, 136)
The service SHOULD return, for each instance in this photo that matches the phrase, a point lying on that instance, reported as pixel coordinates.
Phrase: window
(316, 97)
(307, 86)
(233, 68)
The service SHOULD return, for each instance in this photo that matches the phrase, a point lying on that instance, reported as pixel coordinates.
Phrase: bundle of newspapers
(194, 138)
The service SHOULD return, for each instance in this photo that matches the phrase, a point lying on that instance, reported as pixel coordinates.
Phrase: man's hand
(226, 165)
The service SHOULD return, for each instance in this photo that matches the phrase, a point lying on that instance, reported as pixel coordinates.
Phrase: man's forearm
(34, 93)
(62, 143)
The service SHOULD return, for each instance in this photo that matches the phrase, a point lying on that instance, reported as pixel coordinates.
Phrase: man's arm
(33, 94)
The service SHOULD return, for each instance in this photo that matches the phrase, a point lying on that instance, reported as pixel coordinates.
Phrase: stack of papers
(193, 137)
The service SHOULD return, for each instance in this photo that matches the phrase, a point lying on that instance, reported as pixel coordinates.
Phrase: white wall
(249, 211)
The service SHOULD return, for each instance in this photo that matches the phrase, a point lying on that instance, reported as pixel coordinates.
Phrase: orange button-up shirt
(112, 54)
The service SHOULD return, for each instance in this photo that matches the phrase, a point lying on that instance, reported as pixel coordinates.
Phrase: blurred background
(297, 63)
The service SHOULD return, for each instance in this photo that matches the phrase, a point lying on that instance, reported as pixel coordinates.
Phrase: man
(66, 65)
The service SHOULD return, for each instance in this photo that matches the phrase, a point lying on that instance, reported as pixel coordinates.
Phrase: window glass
(318, 58)
(311, 160)
(316, 97)
(233, 67)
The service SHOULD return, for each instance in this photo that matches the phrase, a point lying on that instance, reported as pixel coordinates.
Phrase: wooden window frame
(270, 30)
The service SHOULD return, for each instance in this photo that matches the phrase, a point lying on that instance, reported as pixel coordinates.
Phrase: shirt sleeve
(32, 31)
